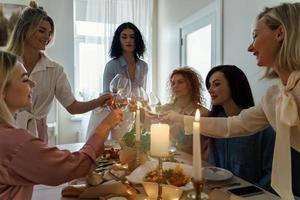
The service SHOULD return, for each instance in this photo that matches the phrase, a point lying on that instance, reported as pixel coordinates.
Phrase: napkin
(105, 189)
(109, 188)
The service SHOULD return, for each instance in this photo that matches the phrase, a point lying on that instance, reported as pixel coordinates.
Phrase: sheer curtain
(95, 24)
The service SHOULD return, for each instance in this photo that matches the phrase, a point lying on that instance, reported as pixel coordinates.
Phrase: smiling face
(41, 37)
(180, 86)
(18, 92)
(266, 43)
(219, 89)
(127, 39)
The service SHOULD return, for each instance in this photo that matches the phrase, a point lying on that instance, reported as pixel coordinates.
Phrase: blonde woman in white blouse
(276, 45)
(32, 33)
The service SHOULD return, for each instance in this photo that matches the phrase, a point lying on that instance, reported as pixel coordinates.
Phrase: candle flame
(197, 115)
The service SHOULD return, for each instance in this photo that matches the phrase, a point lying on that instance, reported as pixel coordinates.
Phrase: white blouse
(51, 81)
(278, 108)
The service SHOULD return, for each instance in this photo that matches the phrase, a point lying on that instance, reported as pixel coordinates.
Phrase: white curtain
(105, 16)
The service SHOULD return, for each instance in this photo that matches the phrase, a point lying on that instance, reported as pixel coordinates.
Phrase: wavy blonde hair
(27, 24)
(287, 15)
(7, 64)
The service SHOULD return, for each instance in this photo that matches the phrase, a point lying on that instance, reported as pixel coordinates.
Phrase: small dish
(168, 191)
(216, 174)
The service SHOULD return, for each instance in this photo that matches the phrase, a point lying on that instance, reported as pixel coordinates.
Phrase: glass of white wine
(120, 87)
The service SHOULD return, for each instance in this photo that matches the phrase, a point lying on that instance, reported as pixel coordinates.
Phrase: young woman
(231, 93)
(276, 45)
(186, 96)
(32, 33)
(126, 50)
(26, 160)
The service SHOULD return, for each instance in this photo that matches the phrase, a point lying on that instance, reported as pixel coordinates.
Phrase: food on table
(73, 190)
(110, 153)
(94, 179)
(174, 176)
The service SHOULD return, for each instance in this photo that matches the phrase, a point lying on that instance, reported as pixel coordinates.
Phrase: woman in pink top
(26, 160)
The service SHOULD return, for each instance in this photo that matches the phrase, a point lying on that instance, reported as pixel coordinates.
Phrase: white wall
(239, 16)
(169, 14)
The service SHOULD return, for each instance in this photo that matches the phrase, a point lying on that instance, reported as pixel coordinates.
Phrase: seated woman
(231, 93)
(186, 96)
(21, 154)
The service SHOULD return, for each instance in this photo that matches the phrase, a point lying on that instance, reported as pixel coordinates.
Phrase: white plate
(216, 174)
(168, 191)
(139, 173)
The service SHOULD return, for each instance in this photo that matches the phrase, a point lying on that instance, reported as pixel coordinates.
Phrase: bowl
(168, 191)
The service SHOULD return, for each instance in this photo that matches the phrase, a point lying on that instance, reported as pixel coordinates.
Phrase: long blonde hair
(27, 24)
(287, 15)
(7, 64)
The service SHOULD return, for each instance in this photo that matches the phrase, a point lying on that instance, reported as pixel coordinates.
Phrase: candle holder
(160, 174)
(198, 193)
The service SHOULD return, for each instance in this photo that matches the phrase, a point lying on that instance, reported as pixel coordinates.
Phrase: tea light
(159, 137)
(197, 161)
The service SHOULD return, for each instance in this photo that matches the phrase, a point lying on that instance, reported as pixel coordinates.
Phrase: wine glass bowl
(120, 87)
(154, 106)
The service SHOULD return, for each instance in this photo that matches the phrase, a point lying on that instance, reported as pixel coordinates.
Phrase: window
(89, 58)
(200, 37)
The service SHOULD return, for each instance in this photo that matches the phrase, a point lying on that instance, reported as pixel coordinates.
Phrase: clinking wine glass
(154, 106)
(120, 87)
(138, 94)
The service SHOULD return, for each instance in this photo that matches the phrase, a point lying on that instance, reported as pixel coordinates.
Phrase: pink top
(26, 160)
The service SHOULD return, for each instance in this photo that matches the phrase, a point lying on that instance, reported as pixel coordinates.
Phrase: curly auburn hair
(195, 81)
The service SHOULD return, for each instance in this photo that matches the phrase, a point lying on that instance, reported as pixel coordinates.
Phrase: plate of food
(176, 179)
(216, 174)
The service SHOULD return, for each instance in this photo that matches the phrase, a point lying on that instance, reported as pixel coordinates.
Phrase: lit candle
(137, 123)
(159, 140)
(197, 161)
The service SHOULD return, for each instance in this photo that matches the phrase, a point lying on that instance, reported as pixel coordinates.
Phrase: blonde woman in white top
(276, 45)
(32, 33)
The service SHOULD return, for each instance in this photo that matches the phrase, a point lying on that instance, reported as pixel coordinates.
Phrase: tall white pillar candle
(138, 124)
(159, 140)
(197, 161)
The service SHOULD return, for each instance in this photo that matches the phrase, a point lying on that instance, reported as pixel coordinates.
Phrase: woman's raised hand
(113, 118)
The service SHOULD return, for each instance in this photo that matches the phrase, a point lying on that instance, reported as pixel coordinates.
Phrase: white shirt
(51, 81)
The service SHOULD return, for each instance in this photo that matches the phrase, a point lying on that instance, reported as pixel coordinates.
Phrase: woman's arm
(248, 122)
(78, 107)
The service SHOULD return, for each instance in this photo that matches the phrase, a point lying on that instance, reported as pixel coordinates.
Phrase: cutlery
(124, 181)
(224, 185)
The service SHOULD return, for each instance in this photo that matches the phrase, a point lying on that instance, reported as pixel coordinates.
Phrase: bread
(73, 190)
(94, 179)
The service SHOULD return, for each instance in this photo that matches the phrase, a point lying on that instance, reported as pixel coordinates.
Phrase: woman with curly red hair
(186, 95)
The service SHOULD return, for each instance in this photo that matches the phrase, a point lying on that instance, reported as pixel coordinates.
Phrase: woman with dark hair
(31, 35)
(276, 46)
(126, 50)
(230, 94)
(186, 95)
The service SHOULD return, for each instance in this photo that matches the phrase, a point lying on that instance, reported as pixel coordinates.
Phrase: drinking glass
(120, 87)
